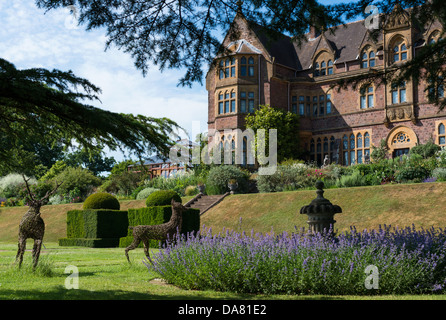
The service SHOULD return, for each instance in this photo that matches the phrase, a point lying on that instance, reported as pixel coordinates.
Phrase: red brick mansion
(341, 124)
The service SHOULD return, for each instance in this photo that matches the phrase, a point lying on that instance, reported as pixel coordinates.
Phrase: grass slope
(363, 207)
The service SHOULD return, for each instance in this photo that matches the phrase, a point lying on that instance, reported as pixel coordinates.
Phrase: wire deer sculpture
(157, 232)
(32, 225)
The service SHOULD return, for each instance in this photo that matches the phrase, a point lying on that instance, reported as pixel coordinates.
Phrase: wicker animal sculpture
(32, 226)
(157, 232)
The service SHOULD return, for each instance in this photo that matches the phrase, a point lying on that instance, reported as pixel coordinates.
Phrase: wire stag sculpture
(32, 225)
(157, 232)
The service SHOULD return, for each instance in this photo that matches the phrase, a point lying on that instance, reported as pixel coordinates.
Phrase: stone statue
(157, 232)
(32, 225)
(326, 161)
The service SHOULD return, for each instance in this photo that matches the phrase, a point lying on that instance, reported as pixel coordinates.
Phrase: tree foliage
(287, 125)
(186, 34)
(47, 106)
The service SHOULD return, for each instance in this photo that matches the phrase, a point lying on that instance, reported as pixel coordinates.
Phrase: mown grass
(419, 204)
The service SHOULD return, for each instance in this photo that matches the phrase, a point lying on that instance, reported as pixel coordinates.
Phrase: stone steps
(204, 202)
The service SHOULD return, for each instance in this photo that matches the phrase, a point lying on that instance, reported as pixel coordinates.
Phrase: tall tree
(42, 105)
(287, 126)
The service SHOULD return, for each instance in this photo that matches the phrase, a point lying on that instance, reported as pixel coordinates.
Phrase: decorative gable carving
(398, 18)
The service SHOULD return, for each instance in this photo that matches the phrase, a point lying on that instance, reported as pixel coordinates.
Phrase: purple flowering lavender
(408, 261)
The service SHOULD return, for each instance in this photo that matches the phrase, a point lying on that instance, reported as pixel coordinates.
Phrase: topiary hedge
(95, 228)
(162, 198)
(101, 200)
(159, 215)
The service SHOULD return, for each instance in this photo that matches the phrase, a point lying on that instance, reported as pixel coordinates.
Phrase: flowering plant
(407, 260)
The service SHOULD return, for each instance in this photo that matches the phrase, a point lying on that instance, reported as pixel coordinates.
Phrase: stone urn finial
(320, 211)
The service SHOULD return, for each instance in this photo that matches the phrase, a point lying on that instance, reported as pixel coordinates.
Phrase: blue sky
(32, 38)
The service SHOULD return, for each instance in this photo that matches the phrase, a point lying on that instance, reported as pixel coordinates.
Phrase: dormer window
(399, 51)
(368, 58)
(323, 64)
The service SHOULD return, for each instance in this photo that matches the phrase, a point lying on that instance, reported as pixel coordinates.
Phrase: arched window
(434, 37)
(352, 149)
(366, 140)
(366, 99)
(227, 101)
(330, 67)
(243, 67)
(441, 135)
(323, 68)
(220, 103)
(359, 148)
(251, 66)
(316, 69)
(227, 68)
(345, 149)
(232, 101)
(399, 50)
(368, 58)
(325, 145)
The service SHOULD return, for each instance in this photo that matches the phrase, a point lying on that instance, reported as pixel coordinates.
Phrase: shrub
(162, 198)
(144, 193)
(219, 176)
(426, 150)
(12, 184)
(356, 179)
(79, 178)
(407, 261)
(101, 200)
(191, 191)
(415, 173)
(439, 174)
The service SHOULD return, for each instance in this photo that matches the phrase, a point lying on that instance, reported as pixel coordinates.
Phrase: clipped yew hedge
(95, 228)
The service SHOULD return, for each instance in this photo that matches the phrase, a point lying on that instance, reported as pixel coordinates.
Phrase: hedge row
(99, 228)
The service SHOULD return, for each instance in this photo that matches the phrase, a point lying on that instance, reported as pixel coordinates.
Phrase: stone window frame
(355, 145)
(247, 66)
(435, 92)
(366, 57)
(248, 99)
(433, 36)
(365, 94)
(310, 105)
(440, 133)
(408, 143)
(227, 68)
(226, 101)
(323, 64)
(398, 47)
(398, 90)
